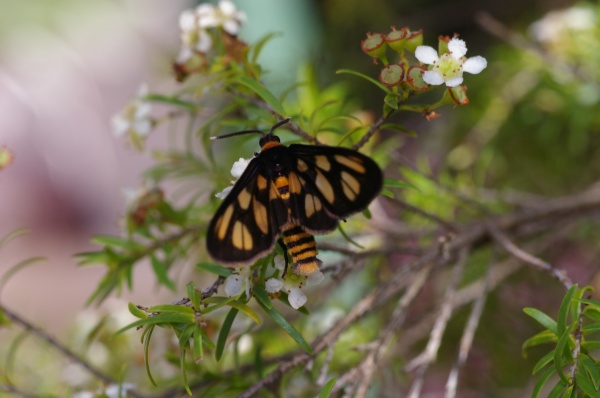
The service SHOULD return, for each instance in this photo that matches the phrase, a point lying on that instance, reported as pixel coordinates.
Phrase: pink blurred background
(65, 68)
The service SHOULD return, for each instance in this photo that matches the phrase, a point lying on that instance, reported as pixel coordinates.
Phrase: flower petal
(475, 64)
(455, 81)
(315, 278)
(457, 47)
(433, 78)
(238, 167)
(223, 194)
(296, 298)
(233, 284)
(273, 285)
(426, 55)
(279, 262)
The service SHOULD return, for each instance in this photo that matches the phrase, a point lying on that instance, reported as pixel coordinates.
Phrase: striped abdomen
(303, 248)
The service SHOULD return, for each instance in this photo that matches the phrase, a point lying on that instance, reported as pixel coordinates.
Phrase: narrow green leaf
(391, 100)
(198, 349)
(123, 243)
(17, 267)
(161, 273)
(218, 303)
(386, 192)
(12, 235)
(214, 269)
(148, 335)
(258, 46)
(586, 385)
(368, 78)
(558, 389)
(263, 93)
(166, 318)
(543, 337)
(393, 183)
(186, 335)
(289, 329)
(171, 308)
(590, 368)
(593, 328)
(398, 127)
(559, 353)
(545, 360)
(591, 345)
(262, 296)
(545, 320)
(348, 238)
(183, 372)
(194, 295)
(191, 106)
(541, 382)
(136, 312)
(246, 310)
(224, 332)
(327, 388)
(563, 311)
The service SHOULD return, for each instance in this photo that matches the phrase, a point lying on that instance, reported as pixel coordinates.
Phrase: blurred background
(66, 67)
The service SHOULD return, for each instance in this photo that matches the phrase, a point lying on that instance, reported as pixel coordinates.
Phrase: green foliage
(570, 358)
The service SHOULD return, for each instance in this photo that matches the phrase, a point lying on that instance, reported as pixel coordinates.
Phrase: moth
(293, 192)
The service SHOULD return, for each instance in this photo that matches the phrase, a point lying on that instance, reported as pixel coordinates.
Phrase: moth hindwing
(283, 188)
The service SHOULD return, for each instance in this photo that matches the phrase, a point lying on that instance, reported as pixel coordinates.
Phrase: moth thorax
(303, 249)
(283, 187)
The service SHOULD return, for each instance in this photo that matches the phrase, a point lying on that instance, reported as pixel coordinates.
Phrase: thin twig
(513, 249)
(63, 349)
(467, 338)
(422, 362)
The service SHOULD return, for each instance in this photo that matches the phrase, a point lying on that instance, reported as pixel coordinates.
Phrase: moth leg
(285, 256)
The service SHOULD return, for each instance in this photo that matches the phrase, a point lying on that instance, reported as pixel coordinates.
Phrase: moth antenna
(281, 123)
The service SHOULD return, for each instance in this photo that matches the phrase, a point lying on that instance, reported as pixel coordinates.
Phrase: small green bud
(374, 46)
(443, 44)
(396, 39)
(414, 78)
(413, 40)
(392, 75)
(458, 95)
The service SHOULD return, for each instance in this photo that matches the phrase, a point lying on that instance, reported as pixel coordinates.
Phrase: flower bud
(443, 44)
(374, 45)
(414, 77)
(397, 38)
(392, 75)
(413, 40)
(458, 95)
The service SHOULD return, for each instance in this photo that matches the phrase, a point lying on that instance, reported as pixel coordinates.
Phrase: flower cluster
(134, 121)
(432, 68)
(199, 29)
(236, 171)
(292, 284)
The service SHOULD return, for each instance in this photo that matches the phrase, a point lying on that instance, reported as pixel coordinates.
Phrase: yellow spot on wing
(240, 237)
(350, 185)
(353, 163)
(223, 222)
(325, 187)
(322, 162)
(260, 216)
(244, 198)
(295, 184)
(261, 182)
(302, 166)
(312, 204)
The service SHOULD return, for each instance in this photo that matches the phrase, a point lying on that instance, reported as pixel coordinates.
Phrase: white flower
(225, 15)
(134, 120)
(112, 391)
(449, 67)
(292, 284)
(193, 36)
(239, 276)
(236, 171)
(558, 23)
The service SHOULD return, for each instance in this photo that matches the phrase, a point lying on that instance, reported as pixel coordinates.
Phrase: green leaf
(148, 335)
(398, 127)
(545, 360)
(161, 273)
(591, 345)
(165, 318)
(246, 310)
(191, 106)
(543, 337)
(545, 320)
(368, 78)
(593, 328)
(136, 312)
(198, 347)
(289, 329)
(541, 382)
(557, 391)
(262, 296)
(12, 235)
(184, 337)
(224, 332)
(560, 351)
(391, 100)
(115, 241)
(263, 93)
(193, 295)
(218, 303)
(17, 267)
(257, 47)
(393, 183)
(171, 308)
(214, 269)
(327, 388)
(563, 311)
(386, 192)
(586, 385)
(590, 367)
